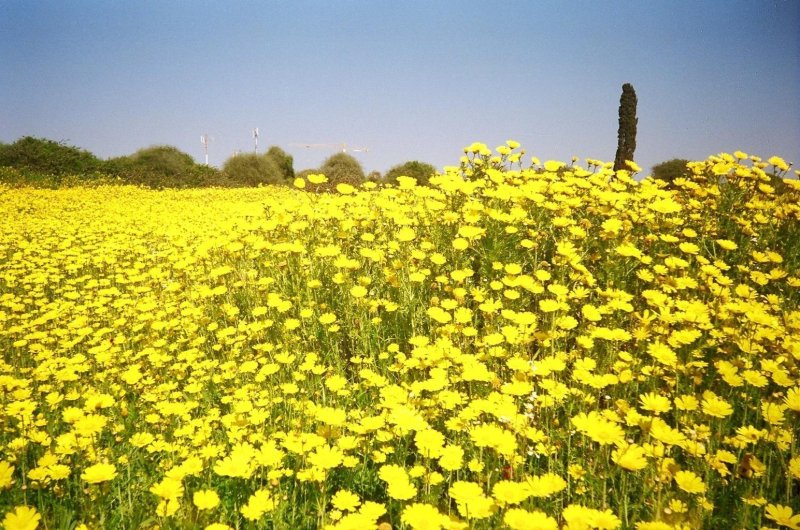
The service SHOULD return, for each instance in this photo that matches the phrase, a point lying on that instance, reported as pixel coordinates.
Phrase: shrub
(342, 168)
(163, 166)
(284, 161)
(413, 168)
(672, 169)
(47, 156)
(251, 170)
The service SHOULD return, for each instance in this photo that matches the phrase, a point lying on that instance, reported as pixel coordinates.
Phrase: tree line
(44, 162)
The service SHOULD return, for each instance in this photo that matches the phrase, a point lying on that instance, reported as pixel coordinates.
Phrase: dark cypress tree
(626, 136)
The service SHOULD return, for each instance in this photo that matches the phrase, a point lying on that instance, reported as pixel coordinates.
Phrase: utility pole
(205, 139)
(255, 137)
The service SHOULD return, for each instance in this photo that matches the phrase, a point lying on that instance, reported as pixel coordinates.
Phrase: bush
(672, 169)
(251, 170)
(40, 155)
(342, 168)
(284, 161)
(163, 166)
(418, 170)
(306, 172)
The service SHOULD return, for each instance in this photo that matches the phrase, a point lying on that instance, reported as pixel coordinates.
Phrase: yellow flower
(508, 492)
(419, 516)
(783, 515)
(460, 243)
(205, 499)
(630, 457)
(345, 500)
(591, 313)
(358, 291)
(99, 473)
(430, 442)
(794, 467)
(495, 437)
(663, 354)
(655, 403)
(686, 402)
(544, 485)
(168, 488)
(690, 482)
(402, 491)
(519, 519)
(317, 179)
(22, 518)
(779, 163)
(326, 457)
(6, 473)
(580, 517)
(612, 225)
(689, 248)
(633, 166)
(406, 234)
(452, 458)
(471, 501)
(716, 407)
(257, 505)
(792, 401)
(665, 206)
(400, 487)
(553, 165)
(439, 315)
(598, 428)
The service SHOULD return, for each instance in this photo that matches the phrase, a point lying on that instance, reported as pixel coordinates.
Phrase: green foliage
(626, 134)
(415, 169)
(163, 166)
(342, 168)
(670, 170)
(306, 172)
(39, 155)
(284, 160)
(164, 159)
(16, 178)
(251, 169)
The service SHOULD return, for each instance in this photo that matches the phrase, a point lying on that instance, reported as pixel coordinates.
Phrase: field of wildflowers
(534, 348)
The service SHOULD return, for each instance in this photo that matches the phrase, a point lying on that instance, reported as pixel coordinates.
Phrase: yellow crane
(342, 147)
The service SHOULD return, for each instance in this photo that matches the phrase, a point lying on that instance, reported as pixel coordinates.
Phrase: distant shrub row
(47, 163)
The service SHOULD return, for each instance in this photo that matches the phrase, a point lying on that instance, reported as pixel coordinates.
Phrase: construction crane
(342, 147)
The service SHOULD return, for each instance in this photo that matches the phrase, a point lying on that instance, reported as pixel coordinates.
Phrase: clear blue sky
(406, 79)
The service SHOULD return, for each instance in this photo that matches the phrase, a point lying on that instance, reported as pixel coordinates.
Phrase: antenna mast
(204, 139)
(255, 137)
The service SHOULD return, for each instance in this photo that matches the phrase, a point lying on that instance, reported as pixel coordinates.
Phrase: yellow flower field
(546, 347)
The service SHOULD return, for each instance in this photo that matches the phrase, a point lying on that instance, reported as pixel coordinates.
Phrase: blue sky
(405, 79)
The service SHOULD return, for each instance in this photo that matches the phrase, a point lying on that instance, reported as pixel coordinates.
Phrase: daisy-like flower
(783, 515)
(631, 457)
(419, 516)
(345, 500)
(690, 482)
(22, 518)
(99, 473)
(205, 499)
